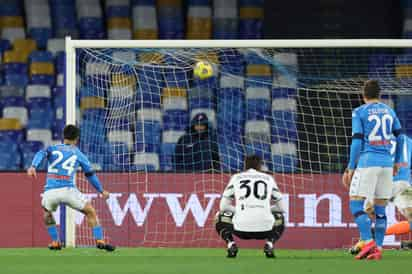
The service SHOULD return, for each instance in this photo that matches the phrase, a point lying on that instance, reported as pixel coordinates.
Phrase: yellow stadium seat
(10, 124)
(199, 28)
(258, 70)
(91, 103)
(403, 71)
(11, 22)
(119, 23)
(123, 80)
(174, 92)
(174, 3)
(41, 68)
(11, 56)
(208, 56)
(25, 45)
(145, 34)
(251, 13)
(151, 57)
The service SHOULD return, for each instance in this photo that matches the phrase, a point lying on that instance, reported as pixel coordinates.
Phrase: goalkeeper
(252, 216)
(63, 161)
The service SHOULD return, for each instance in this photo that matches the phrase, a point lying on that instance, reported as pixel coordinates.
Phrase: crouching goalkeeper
(257, 212)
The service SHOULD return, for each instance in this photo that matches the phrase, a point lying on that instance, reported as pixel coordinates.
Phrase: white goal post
(72, 45)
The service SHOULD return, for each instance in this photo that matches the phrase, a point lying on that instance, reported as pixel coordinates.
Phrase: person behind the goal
(63, 161)
(257, 212)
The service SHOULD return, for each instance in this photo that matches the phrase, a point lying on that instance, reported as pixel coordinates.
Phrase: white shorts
(402, 195)
(67, 195)
(372, 182)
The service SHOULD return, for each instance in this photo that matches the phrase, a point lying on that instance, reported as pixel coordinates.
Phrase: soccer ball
(203, 70)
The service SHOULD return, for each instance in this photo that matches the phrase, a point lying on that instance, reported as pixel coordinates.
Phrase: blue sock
(361, 219)
(98, 232)
(52, 230)
(380, 224)
(410, 225)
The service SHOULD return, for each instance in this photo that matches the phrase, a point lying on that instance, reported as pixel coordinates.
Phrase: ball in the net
(203, 70)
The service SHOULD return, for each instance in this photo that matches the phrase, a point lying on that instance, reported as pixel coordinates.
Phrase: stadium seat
(41, 135)
(170, 19)
(147, 136)
(174, 99)
(28, 150)
(10, 158)
(257, 131)
(121, 136)
(199, 21)
(258, 103)
(38, 91)
(17, 112)
(146, 162)
(167, 149)
(11, 91)
(225, 19)
(55, 45)
(121, 156)
(144, 21)
(175, 120)
(284, 157)
(10, 130)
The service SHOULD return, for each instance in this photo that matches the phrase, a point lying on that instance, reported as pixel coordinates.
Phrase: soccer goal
(288, 101)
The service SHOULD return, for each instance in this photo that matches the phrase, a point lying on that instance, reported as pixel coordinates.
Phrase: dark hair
(71, 132)
(371, 89)
(253, 161)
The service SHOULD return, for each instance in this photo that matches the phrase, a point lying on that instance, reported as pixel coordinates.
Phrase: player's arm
(227, 198)
(355, 148)
(276, 199)
(91, 175)
(401, 143)
(37, 160)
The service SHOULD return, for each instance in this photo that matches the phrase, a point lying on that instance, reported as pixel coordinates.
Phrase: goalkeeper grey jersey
(252, 192)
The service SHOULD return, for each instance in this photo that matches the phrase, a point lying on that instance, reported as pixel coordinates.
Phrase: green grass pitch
(195, 261)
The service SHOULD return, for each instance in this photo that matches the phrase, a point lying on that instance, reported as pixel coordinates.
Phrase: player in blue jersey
(402, 191)
(63, 162)
(371, 167)
(401, 194)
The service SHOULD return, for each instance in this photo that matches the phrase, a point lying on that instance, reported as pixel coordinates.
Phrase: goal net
(164, 142)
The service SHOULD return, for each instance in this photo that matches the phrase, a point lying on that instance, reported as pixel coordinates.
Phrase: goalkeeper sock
(361, 219)
(52, 230)
(380, 224)
(98, 233)
(399, 228)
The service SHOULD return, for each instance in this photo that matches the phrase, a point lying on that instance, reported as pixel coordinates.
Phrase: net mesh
(139, 111)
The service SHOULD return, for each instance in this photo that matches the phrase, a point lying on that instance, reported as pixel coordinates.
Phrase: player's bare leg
(93, 222)
(52, 230)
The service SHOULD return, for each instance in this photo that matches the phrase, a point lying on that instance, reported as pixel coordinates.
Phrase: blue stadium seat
(200, 102)
(28, 150)
(250, 28)
(10, 158)
(167, 151)
(122, 157)
(284, 126)
(175, 120)
(40, 35)
(11, 8)
(15, 68)
(148, 162)
(176, 77)
(57, 129)
(41, 56)
(231, 153)
(258, 109)
(148, 137)
(19, 80)
(16, 136)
